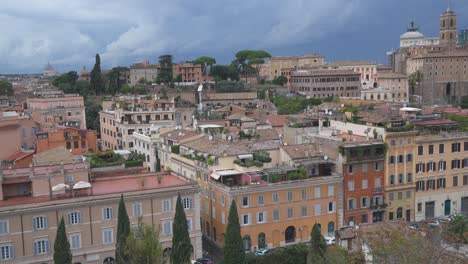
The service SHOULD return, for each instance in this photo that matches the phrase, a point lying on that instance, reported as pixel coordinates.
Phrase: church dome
(412, 35)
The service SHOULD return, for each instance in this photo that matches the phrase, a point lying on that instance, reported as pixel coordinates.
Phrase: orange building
(79, 141)
(188, 71)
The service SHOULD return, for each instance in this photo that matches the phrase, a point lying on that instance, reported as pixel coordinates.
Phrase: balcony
(378, 207)
(378, 190)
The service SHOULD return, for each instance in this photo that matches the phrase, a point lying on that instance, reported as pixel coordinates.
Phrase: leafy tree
(158, 164)
(224, 72)
(62, 252)
(287, 105)
(123, 232)
(205, 62)
(115, 80)
(143, 245)
(280, 80)
(92, 108)
(97, 84)
(317, 241)
(66, 78)
(6, 88)
(250, 59)
(178, 78)
(181, 245)
(165, 73)
(459, 227)
(233, 246)
(415, 78)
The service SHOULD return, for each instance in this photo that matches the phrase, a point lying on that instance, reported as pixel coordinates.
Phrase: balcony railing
(378, 207)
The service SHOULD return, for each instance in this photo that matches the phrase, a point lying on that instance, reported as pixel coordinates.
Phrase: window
(350, 168)
(317, 209)
(377, 166)
(442, 165)
(420, 186)
(167, 227)
(465, 179)
(420, 167)
(222, 199)
(408, 194)
(392, 160)
(441, 148)
(275, 214)
(290, 212)
(364, 202)
(430, 184)
(317, 192)
(364, 218)
(351, 204)
(455, 181)
(213, 212)
(409, 177)
(213, 196)
(455, 147)
(455, 164)
(400, 178)
(304, 210)
(75, 241)
(166, 206)
(431, 166)
(364, 184)
(69, 178)
(74, 218)
(465, 146)
(420, 150)
(391, 196)
(431, 149)
(331, 190)
(290, 196)
(419, 207)
(41, 246)
(137, 210)
(187, 202)
(331, 207)
(378, 182)
(260, 200)
(275, 197)
(261, 217)
(107, 213)
(401, 159)
(392, 142)
(400, 195)
(3, 227)
(245, 201)
(351, 185)
(441, 183)
(6, 252)
(409, 140)
(108, 236)
(392, 179)
(246, 219)
(189, 224)
(223, 218)
(364, 167)
(40, 222)
(409, 158)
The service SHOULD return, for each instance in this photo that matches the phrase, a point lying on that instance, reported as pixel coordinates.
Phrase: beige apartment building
(392, 87)
(323, 83)
(31, 206)
(277, 64)
(400, 175)
(441, 175)
(367, 70)
(57, 109)
(144, 71)
(18, 133)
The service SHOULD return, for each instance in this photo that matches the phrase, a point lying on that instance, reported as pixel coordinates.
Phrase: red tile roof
(277, 120)
(18, 155)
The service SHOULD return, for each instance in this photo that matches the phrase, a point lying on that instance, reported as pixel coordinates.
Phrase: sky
(68, 33)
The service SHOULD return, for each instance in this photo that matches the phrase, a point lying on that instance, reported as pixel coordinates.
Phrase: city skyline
(39, 31)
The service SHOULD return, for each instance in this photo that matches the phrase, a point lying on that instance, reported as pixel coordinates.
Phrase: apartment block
(31, 207)
(18, 133)
(76, 140)
(281, 65)
(364, 174)
(189, 72)
(143, 71)
(57, 110)
(441, 175)
(400, 175)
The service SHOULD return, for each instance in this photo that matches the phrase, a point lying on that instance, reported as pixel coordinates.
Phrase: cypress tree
(317, 241)
(62, 253)
(181, 246)
(96, 78)
(233, 247)
(123, 230)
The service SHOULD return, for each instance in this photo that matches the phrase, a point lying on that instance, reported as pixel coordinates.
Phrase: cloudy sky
(68, 33)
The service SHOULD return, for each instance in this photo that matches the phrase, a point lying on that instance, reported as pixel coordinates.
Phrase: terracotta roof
(228, 108)
(53, 156)
(268, 134)
(18, 155)
(220, 147)
(277, 120)
(301, 151)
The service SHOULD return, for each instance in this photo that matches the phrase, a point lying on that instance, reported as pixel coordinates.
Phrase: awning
(218, 174)
(60, 187)
(245, 156)
(81, 185)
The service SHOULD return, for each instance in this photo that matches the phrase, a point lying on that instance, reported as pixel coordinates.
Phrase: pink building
(57, 110)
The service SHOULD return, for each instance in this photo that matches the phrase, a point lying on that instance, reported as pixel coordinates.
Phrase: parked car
(205, 261)
(261, 252)
(330, 240)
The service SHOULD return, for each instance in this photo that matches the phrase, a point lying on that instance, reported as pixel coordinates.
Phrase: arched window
(290, 234)
(247, 243)
(261, 240)
(451, 22)
(443, 23)
(331, 229)
(451, 35)
(399, 213)
(443, 36)
(109, 260)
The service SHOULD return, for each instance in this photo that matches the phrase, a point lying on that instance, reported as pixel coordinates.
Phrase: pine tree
(233, 247)
(317, 241)
(62, 253)
(181, 246)
(123, 231)
(96, 77)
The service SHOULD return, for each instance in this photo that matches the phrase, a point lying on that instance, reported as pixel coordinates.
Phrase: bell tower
(448, 28)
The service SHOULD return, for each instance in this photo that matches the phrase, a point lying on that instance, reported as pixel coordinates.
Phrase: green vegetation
(175, 149)
(462, 121)
(288, 106)
(143, 245)
(92, 108)
(205, 62)
(230, 87)
(297, 175)
(224, 73)
(258, 159)
(250, 61)
(181, 245)
(6, 88)
(114, 79)
(109, 158)
(97, 82)
(136, 89)
(459, 227)
(165, 73)
(317, 241)
(123, 232)
(280, 80)
(233, 246)
(62, 252)
(294, 254)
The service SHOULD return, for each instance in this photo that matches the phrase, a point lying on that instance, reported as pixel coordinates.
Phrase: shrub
(175, 149)
(133, 163)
